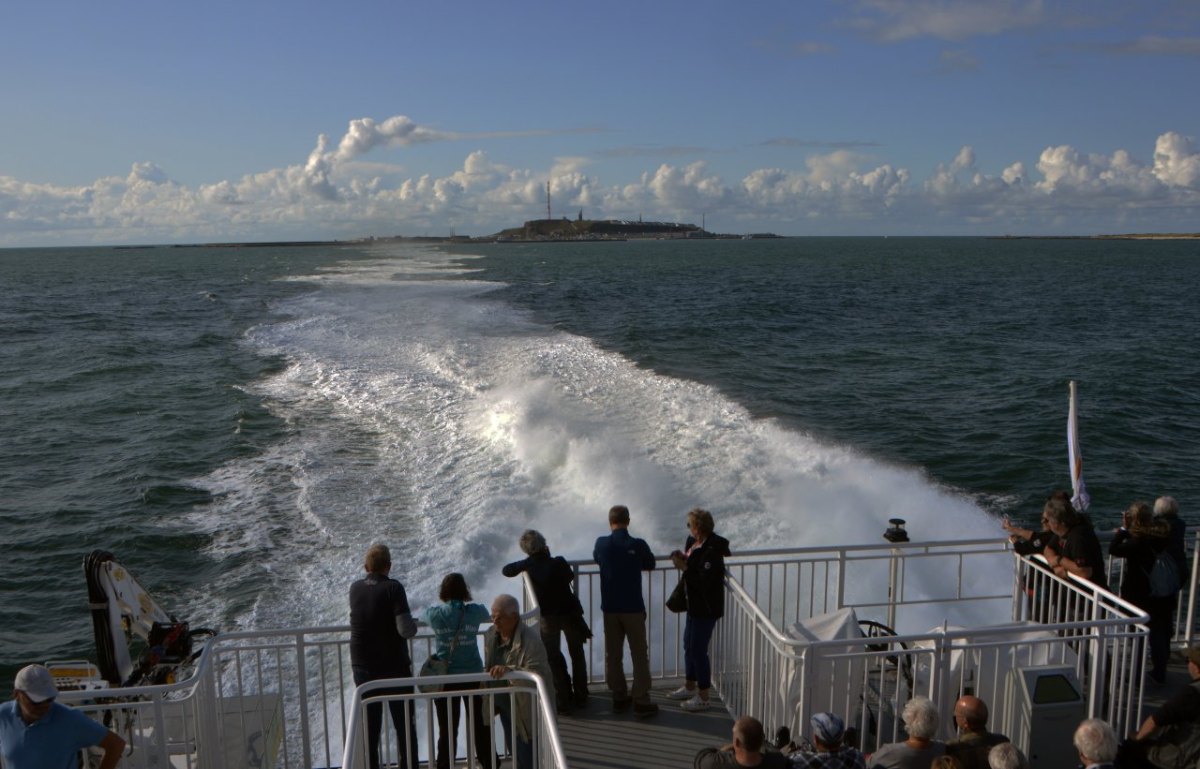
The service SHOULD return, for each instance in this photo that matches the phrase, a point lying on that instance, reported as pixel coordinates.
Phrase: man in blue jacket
(622, 559)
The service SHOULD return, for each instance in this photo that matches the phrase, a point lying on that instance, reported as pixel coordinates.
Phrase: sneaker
(694, 705)
(621, 704)
(682, 693)
(645, 710)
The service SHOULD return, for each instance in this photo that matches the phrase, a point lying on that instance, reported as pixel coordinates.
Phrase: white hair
(1096, 740)
(920, 718)
(1007, 756)
(1166, 506)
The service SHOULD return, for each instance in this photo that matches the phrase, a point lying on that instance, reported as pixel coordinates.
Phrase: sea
(238, 424)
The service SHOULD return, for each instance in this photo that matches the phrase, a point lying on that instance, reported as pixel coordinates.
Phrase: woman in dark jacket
(1139, 541)
(702, 561)
(561, 616)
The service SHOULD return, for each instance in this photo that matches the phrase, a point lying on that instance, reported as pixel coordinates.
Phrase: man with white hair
(1097, 744)
(510, 644)
(1007, 756)
(36, 731)
(921, 719)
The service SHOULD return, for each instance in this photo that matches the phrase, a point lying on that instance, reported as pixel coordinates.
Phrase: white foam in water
(430, 416)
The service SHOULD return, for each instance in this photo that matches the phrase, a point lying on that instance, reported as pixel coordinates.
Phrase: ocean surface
(238, 424)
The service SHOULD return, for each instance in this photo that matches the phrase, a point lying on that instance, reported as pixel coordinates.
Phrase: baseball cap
(36, 682)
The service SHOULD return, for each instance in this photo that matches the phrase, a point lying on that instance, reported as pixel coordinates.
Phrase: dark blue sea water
(237, 425)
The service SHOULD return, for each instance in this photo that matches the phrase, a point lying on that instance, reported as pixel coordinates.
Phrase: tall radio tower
(548, 217)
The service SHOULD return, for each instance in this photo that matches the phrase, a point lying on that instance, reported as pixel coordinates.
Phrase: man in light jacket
(510, 644)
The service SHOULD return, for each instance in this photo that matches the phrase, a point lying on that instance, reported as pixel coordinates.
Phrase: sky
(146, 123)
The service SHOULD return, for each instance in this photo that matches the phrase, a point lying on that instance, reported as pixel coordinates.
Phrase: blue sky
(139, 122)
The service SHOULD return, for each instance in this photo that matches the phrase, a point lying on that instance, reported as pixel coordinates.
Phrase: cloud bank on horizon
(332, 194)
(855, 117)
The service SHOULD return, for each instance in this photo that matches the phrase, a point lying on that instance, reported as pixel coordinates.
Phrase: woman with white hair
(920, 718)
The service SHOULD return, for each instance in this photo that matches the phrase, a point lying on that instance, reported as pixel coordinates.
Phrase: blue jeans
(405, 728)
(697, 665)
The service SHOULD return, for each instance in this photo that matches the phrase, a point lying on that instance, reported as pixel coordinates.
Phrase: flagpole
(1079, 495)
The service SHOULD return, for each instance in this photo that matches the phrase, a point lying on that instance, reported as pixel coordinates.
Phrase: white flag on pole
(1079, 496)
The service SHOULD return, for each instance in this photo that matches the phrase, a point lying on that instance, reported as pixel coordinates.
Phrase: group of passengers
(1168, 739)
(1151, 542)
(381, 621)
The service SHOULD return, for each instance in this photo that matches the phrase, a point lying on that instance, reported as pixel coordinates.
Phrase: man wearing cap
(746, 750)
(1170, 737)
(36, 731)
(974, 740)
(827, 750)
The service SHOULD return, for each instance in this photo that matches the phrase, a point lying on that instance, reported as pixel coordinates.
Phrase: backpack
(1164, 576)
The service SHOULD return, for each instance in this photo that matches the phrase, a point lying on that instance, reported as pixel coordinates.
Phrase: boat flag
(1079, 496)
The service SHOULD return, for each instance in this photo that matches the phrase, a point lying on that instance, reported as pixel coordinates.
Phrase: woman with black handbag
(702, 561)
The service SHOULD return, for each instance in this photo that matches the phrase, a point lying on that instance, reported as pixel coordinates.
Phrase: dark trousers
(1162, 617)
(406, 727)
(447, 720)
(697, 633)
(573, 689)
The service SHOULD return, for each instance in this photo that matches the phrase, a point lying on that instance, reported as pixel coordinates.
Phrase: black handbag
(677, 601)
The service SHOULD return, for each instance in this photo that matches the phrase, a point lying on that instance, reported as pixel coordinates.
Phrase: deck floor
(597, 738)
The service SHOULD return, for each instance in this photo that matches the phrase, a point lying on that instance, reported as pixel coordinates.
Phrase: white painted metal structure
(285, 698)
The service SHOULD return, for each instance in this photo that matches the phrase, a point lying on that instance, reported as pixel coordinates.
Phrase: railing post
(1189, 633)
(302, 694)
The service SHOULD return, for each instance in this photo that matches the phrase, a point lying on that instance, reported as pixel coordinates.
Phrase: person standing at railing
(622, 559)
(561, 615)
(455, 625)
(36, 731)
(1139, 540)
(702, 561)
(1078, 549)
(510, 644)
(380, 621)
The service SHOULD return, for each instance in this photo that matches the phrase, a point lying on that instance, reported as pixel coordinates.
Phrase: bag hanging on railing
(677, 601)
(436, 666)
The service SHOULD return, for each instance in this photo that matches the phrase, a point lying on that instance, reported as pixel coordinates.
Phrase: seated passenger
(1097, 744)
(827, 750)
(746, 750)
(1170, 737)
(920, 718)
(974, 740)
(1007, 756)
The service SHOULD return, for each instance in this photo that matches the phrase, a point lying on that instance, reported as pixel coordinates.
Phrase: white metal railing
(762, 670)
(285, 698)
(522, 690)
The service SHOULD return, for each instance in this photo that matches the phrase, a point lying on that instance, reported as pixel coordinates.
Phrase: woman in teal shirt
(455, 623)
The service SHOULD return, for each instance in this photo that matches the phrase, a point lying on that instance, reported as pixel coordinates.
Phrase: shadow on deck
(597, 738)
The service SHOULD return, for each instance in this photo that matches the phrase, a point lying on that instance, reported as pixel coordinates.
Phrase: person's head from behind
(378, 560)
(946, 762)
(920, 718)
(1007, 756)
(1137, 516)
(618, 517)
(970, 714)
(748, 735)
(700, 523)
(1096, 742)
(827, 731)
(1166, 506)
(454, 588)
(532, 542)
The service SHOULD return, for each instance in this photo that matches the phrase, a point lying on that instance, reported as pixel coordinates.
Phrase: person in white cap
(36, 731)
